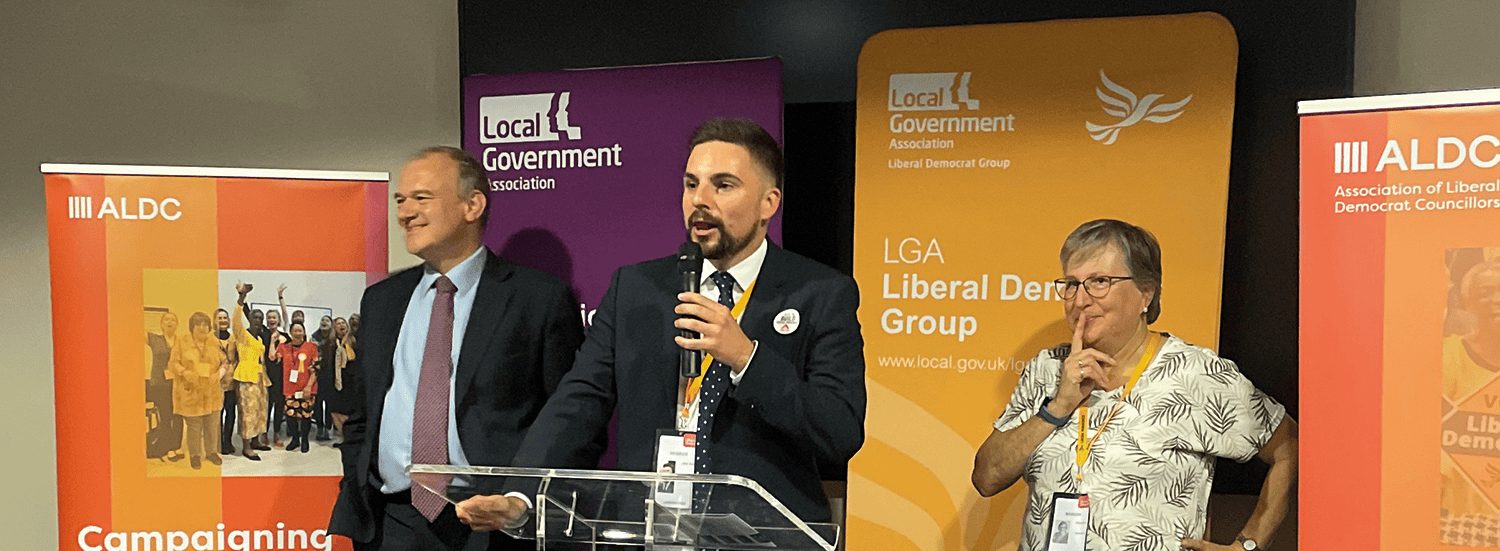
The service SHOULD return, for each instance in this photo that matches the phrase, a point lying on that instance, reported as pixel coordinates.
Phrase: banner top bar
(212, 172)
(1398, 101)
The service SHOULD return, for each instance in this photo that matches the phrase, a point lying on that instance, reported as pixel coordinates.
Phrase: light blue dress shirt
(401, 399)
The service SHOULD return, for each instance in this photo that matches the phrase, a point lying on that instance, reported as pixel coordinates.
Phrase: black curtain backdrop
(1289, 51)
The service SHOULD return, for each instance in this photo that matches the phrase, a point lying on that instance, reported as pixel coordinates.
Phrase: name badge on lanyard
(688, 389)
(1086, 442)
(1068, 530)
(674, 454)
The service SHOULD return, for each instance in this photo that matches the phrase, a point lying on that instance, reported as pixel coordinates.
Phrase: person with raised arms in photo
(250, 377)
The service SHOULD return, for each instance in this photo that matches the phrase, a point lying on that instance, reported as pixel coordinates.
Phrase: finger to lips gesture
(719, 333)
(1083, 371)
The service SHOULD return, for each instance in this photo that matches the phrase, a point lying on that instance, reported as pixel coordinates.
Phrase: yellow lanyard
(696, 383)
(1085, 443)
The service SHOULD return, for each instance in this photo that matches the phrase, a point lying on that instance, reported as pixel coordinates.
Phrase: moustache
(705, 218)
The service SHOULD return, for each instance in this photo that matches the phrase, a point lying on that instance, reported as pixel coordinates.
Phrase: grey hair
(471, 175)
(1141, 252)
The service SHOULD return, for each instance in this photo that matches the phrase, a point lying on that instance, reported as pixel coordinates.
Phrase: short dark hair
(198, 318)
(1141, 252)
(471, 175)
(749, 135)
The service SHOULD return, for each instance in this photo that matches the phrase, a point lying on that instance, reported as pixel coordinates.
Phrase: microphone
(690, 267)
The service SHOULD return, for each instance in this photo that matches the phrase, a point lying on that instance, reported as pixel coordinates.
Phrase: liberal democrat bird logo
(1130, 110)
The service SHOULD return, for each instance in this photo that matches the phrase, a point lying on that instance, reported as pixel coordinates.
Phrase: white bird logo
(1130, 110)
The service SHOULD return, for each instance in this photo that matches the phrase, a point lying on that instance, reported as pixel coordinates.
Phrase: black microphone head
(689, 257)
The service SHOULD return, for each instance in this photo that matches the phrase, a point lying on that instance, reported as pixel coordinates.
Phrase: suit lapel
(394, 305)
(768, 295)
(493, 295)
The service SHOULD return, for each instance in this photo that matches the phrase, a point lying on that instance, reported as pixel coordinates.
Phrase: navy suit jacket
(521, 337)
(801, 401)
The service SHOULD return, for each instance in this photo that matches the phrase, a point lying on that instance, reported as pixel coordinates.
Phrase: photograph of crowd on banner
(205, 347)
(254, 385)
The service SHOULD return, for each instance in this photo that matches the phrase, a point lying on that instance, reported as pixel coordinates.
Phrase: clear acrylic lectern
(579, 509)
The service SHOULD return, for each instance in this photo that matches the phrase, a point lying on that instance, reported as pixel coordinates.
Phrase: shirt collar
(464, 276)
(744, 273)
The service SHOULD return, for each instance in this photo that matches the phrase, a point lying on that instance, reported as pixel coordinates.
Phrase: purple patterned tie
(429, 427)
(715, 384)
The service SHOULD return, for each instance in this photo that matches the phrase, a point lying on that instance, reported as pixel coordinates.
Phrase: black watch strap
(1049, 417)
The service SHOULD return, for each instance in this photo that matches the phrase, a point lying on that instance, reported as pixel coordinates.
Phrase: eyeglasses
(1097, 286)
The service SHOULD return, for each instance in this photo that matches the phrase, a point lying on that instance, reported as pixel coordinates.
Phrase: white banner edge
(212, 172)
(1398, 101)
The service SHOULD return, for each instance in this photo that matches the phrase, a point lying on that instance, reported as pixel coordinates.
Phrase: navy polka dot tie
(715, 383)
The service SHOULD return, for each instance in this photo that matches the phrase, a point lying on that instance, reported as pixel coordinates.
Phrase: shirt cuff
(734, 378)
(525, 516)
(520, 496)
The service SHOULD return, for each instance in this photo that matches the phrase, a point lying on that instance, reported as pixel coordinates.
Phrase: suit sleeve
(569, 430)
(823, 403)
(355, 403)
(560, 339)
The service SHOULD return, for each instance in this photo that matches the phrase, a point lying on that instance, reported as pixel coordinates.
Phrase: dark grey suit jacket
(521, 337)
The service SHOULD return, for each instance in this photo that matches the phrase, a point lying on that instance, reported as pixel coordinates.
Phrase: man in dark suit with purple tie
(459, 355)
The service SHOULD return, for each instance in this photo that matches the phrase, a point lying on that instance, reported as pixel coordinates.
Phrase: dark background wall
(1289, 51)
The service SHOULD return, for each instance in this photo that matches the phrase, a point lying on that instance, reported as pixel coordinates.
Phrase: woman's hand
(1083, 371)
(1205, 545)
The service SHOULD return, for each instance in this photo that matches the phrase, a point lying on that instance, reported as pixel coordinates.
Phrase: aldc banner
(173, 414)
(979, 149)
(1400, 321)
(585, 166)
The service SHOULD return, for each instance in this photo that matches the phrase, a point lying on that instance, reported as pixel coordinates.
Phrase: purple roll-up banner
(585, 166)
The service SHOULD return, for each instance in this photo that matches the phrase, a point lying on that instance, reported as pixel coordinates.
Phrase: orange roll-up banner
(978, 149)
(1400, 329)
(141, 259)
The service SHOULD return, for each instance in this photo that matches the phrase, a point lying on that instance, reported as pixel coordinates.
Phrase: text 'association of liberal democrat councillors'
(1420, 204)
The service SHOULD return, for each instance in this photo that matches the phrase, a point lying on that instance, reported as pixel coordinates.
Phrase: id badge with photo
(674, 454)
(293, 376)
(1068, 530)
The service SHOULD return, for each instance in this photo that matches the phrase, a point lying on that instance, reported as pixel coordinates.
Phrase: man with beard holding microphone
(785, 391)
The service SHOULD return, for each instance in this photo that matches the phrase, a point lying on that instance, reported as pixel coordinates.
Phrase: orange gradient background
(1373, 293)
(909, 488)
(104, 271)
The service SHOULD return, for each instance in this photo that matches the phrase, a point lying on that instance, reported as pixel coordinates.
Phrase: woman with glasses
(1117, 432)
(198, 370)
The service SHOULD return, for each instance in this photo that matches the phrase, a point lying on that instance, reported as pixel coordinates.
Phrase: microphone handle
(690, 362)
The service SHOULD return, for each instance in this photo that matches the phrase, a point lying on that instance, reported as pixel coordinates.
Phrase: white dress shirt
(744, 274)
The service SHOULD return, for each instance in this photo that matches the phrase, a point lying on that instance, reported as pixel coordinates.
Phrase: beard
(726, 245)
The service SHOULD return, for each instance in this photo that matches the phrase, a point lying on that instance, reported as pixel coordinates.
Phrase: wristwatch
(1247, 543)
(1049, 417)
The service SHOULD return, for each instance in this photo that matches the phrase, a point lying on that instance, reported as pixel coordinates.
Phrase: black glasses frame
(1067, 288)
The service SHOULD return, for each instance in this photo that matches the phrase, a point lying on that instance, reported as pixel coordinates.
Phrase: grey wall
(1403, 46)
(333, 84)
